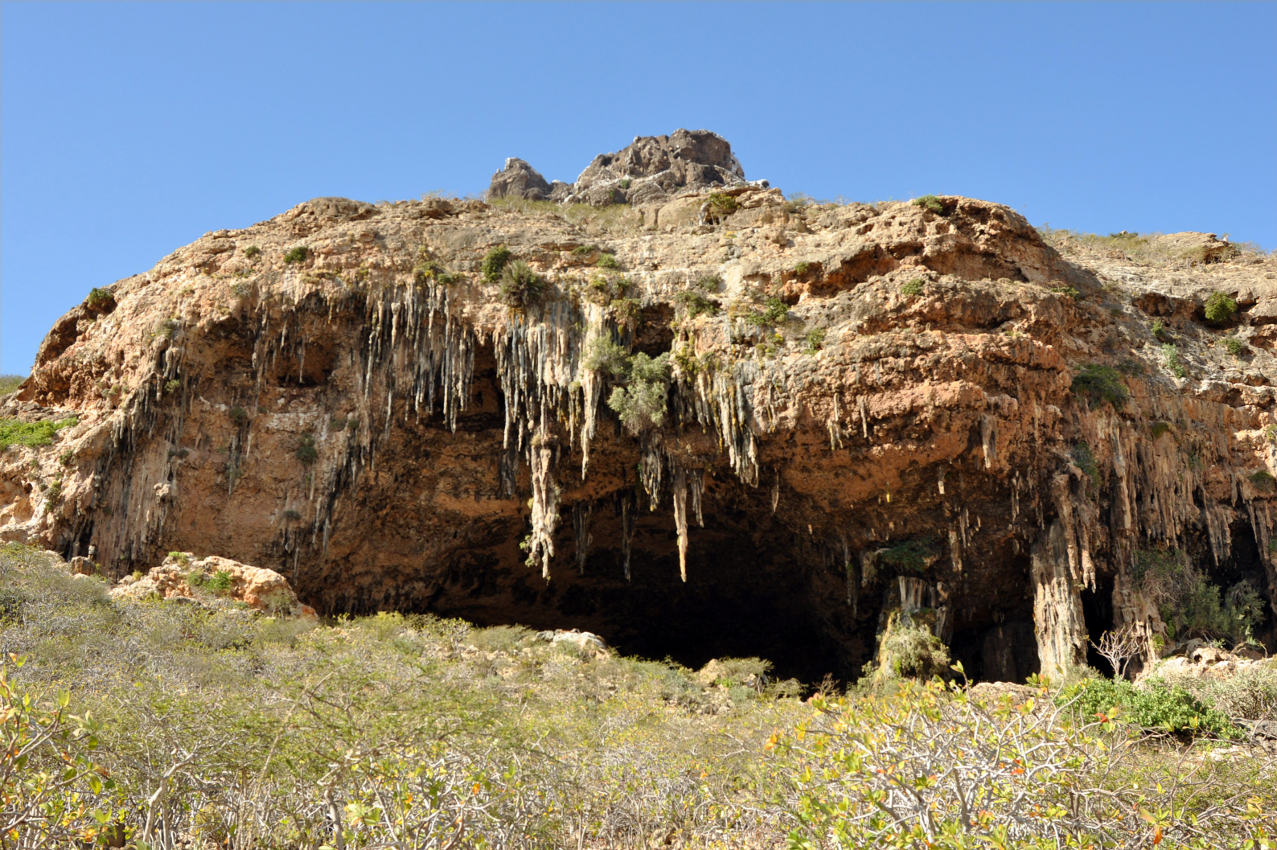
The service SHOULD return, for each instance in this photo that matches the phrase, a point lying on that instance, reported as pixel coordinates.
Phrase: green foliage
(607, 261)
(1159, 331)
(708, 284)
(1189, 604)
(722, 205)
(911, 556)
(100, 298)
(641, 402)
(1263, 480)
(801, 268)
(1085, 460)
(930, 202)
(585, 250)
(521, 287)
(252, 252)
(494, 262)
(1220, 308)
(239, 416)
(607, 357)
(913, 287)
(1156, 707)
(1100, 383)
(10, 383)
(604, 289)
(694, 303)
(1157, 429)
(219, 583)
(306, 451)
(1234, 346)
(816, 339)
(773, 312)
(1071, 292)
(911, 652)
(297, 254)
(1250, 693)
(16, 432)
(1173, 362)
(172, 385)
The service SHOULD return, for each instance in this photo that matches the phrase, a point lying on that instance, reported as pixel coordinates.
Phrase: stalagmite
(628, 518)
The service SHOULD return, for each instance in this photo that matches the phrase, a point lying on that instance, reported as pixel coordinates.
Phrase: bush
(930, 202)
(911, 556)
(641, 401)
(1233, 345)
(100, 299)
(306, 451)
(605, 356)
(297, 254)
(1155, 707)
(773, 312)
(1173, 361)
(695, 303)
(607, 261)
(722, 205)
(1189, 604)
(913, 287)
(816, 339)
(239, 416)
(494, 262)
(10, 383)
(1220, 308)
(252, 251)
(521, 287)
(1101, 383)
(16, 432)
(911, 652)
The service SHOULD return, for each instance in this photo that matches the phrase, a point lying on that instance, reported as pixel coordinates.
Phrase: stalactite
(628, 520)
(834, 426)
(696, 486)
(651, 456)
(543, 457)
(680, 518)
(581, 534)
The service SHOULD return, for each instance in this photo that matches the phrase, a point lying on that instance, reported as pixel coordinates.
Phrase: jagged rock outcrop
(518, 180)
(651, 170)
(816, 415)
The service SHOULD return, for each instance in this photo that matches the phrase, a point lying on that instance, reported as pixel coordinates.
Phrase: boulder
(184, 576)
(655, 168)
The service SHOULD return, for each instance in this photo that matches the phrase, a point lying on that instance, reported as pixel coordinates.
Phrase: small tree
(1119, 648)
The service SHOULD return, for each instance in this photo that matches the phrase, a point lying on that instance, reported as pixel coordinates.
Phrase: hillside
(716, 422)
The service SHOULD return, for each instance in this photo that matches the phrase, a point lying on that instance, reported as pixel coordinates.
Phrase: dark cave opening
(1097, 613)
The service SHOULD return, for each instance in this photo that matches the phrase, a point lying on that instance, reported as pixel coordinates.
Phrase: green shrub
(521, 287)
(910, 556)
(708, 284)
(1233, 345)
(297, 254)
(606, 356)
(1173, 362)
(1157, 429)
(1220, 308)
(911, 652)
(1159, 331)
(1263, 480)
(494, 262)
(172, 385)
(239, 416)
(722, 205)
(1071, 292)
(930, 202)
(1101, 383)
(640, 402)
(100, 298)
(306, 451)
(585, 250)
(16, 432)
(10, 383)
(816, 339)
(607, 261)
(1189, 604)
(695, 303)
(802, 268)
(1085, 460)
(913, 287)
(773, 312)
(252, 251)
(1155, 707)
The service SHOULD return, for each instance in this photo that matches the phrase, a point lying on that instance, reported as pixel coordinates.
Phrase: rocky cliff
(759, 432)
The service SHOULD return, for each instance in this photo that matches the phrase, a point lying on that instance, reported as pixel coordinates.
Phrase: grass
(15, 432)
(10, 383)
(400, 732)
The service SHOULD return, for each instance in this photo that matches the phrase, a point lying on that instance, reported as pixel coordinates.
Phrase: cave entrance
(752, 590)
(1097, 613)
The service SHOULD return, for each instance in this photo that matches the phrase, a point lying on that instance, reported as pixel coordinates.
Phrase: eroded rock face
(867, 408)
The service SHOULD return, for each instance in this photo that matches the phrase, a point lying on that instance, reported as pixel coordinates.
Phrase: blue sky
(129, 129)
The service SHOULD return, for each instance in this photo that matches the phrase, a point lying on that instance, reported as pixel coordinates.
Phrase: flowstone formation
(769, 432)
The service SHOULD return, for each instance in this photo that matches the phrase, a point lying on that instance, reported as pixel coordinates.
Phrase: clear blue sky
(129, 129)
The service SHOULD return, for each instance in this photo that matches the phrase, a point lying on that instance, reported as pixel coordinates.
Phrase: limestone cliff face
(863, 408)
